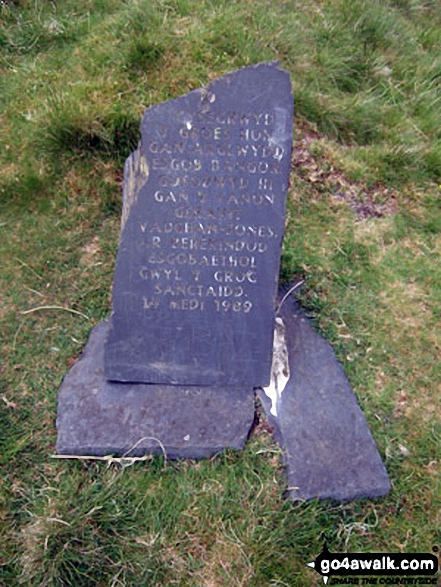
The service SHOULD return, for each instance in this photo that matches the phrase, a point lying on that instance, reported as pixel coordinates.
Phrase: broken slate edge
(100, 418)
(203, 218)
(328, 448)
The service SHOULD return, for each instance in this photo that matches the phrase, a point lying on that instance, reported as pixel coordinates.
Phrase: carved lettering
(203, 234)
(186, 304)
(202, 227)
(150, 304)
(214, 291)
(239, 277)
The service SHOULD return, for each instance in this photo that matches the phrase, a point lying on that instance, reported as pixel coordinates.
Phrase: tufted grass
(363, 231)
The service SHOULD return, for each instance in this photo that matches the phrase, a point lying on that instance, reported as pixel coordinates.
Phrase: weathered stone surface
(96, 417)
(329, 450)
(203, 221)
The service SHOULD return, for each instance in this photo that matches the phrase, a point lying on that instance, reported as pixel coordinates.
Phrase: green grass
(363, 231)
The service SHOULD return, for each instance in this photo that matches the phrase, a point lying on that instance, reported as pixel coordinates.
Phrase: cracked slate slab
(97, 417)
(202, 227)
(328, 448)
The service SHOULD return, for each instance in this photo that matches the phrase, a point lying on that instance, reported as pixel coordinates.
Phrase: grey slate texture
(328, 448)
(202, 227)
(195, 288)
(97, 417)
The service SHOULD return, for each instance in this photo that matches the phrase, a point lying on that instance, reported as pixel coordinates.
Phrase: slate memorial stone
(203, 220)
(191, 335)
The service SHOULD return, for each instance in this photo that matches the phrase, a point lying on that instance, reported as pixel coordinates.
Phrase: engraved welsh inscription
(198, 261)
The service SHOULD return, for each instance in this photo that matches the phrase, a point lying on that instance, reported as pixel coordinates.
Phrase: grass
(363, 231)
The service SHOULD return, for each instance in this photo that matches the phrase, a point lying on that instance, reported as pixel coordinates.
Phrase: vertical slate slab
(328, 448)
(203, 221)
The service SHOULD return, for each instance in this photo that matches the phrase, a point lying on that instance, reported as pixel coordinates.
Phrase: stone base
(98, 418)
(329, 450)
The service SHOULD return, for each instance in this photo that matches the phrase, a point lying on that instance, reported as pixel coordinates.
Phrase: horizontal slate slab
(328, 447)
(99, 418)
(203, 221)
